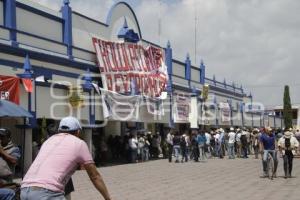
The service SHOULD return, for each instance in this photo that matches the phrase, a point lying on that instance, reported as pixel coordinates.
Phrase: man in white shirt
(208, 138)
(133, 146)
(218, 143)
(169, 141)
(231, 142)
(288, 147)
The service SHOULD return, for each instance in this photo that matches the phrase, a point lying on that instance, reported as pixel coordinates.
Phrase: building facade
(55, 50)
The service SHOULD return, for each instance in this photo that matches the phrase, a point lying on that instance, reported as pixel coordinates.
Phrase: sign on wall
(10, 88)
(122, 64)
(182, 105)
(155, 106)
(225, 112)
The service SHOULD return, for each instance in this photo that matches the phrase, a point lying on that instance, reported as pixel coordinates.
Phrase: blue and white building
(59, 50)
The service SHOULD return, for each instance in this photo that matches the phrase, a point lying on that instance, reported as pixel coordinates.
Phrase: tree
(287, 108)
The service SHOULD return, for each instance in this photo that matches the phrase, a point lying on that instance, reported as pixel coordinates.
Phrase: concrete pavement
(216, 179)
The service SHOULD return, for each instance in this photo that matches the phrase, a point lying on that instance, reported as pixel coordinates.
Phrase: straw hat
(288, 134)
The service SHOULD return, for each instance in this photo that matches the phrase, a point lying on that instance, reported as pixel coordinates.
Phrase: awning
(9, 109)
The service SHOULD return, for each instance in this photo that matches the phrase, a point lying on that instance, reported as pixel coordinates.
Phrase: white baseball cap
(69, 124)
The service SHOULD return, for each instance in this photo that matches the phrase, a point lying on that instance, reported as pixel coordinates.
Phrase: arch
(115, 6)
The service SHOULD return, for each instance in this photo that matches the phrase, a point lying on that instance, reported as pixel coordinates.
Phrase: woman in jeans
(176, 146)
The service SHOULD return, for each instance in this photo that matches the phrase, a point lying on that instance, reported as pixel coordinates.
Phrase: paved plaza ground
(216, 179)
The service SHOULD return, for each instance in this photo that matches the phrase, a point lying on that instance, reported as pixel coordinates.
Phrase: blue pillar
(169, 63)
(260, 120)
(251, 109)
(233, 85)
(217, 111)
(242, 113)
(242, 89)
(10, 19)
(67, 27)
(28, 74)
(231, 113)
(188, 69)
(202, 73)
(88, 86)
(214, 79)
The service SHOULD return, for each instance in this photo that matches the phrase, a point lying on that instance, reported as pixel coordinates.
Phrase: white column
(28, 149)
(193, 116)
(87, 137)
(298, 118)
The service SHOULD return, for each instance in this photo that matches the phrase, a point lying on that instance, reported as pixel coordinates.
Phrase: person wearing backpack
(183, 147)
(288, 146)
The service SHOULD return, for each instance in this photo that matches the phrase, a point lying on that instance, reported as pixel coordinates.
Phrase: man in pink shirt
(57, 160)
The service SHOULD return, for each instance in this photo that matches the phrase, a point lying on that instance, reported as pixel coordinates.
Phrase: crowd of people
(200, 145)
(140, 146)
(135, 146)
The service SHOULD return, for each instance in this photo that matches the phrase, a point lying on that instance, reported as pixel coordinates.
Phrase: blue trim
(38, 12)
(84, 50)
(188, 69)
(91, 116)
(47, 58)
(33, 35)
(35, 97)
(10, 19)
(213, 82)
(32, 121)
(202, 73)
(45, 84)
(39, 71)
(41, 37)
(169, 55)
(183, 64)
(223, 90)
(110, 13)
(242, 113)
(88, 18)
(67, 28)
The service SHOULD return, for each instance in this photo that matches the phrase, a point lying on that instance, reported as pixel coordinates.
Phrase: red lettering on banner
(105, 57)
(109, 82)
(143, 60)
(145, 85)
(125, 57)
(109, 57)
(126, 63)
(138, 82)
(129, 46)
(114, 59)
(10, 88)
(118, 81)
(125, 83)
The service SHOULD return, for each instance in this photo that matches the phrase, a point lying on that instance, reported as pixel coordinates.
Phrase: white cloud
(255, 42)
